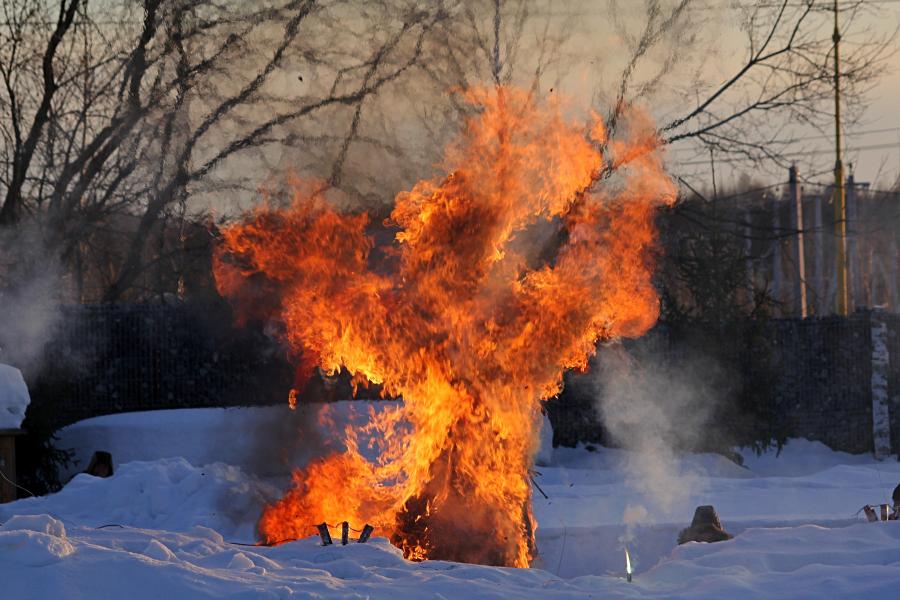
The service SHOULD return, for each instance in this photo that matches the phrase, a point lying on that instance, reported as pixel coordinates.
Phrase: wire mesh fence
(813, 375)
(780, 378)
(115, 358)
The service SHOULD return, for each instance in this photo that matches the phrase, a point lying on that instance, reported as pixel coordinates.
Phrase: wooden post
(777, 250)
(842, 302)
(854, 295)
(8, 464)
(801, 251)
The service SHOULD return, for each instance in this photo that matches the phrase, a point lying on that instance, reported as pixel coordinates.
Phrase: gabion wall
(106, 359)
(815, 373)
(823, 379)
(112, 358)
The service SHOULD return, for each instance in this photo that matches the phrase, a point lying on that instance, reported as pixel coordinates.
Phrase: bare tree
(139, 111)
(786, 79)
(122, 121)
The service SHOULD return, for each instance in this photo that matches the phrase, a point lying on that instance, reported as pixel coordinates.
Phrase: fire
(503, 274)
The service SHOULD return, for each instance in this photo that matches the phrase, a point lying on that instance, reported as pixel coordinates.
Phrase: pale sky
(884, 113)
(595, 54)
(873, 145)
(598, 53)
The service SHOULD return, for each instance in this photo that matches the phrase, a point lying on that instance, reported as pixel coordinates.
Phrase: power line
(54, 23)
(826, 136)
(848, 5)
(893, 145)
(807, 138)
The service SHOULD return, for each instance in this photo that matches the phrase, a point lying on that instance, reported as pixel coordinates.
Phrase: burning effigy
(465, 319)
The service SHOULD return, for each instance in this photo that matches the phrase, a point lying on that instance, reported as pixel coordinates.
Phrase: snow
(175, 526)
(34, 540)
(166, 494)
(591, 492)
(544, 455)
(266, 441)
(14, 399)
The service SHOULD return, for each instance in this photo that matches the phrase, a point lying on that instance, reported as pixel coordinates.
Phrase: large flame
(471, 315)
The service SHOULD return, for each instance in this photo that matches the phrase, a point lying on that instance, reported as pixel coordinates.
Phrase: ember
(466, 320)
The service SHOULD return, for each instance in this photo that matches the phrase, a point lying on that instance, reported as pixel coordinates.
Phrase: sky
(871, 146)
(595, 36)
(881, 165)
(715, 49)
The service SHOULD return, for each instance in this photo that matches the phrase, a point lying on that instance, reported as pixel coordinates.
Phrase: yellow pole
(840, 206)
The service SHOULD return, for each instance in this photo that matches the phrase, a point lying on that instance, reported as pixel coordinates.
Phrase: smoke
(656, 409)
(30, 282)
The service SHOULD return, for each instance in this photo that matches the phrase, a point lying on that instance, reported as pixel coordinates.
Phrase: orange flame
(502, 275)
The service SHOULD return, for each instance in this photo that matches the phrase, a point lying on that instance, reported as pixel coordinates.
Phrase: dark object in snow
(345, 533)
(324, 533)
(366, 532)
(705, 527)
(101, 464)
(888, 512)
(8, 483)
(896, 496)
(871, 515)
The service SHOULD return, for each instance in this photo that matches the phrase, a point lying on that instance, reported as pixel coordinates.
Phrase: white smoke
(655, 410)
(30, 286)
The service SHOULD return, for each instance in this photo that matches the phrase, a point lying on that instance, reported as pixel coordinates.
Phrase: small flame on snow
(628, 563)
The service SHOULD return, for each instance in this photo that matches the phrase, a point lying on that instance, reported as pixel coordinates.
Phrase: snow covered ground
(172, 523)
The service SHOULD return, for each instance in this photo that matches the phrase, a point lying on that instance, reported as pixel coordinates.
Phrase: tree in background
(124, 122)
(117, 115)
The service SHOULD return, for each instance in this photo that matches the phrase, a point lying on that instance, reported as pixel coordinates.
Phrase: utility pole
(852, 207)
(840, 207)
(797, 199)
(715, 235)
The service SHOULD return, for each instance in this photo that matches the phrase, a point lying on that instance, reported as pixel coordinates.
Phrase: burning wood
(465, 319)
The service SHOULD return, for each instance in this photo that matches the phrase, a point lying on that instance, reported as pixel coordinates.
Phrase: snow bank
(801, 457)
(581, 527)
(14, 399)
(267, 441)
(166, 494)
(793, 515)
(34, 541)
(862, 561)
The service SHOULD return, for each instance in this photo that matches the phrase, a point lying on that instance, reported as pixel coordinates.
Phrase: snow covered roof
(14, 398)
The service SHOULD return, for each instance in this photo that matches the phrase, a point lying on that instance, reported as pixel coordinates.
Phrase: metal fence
(815, 374)
(116, 358)
(808, 378)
